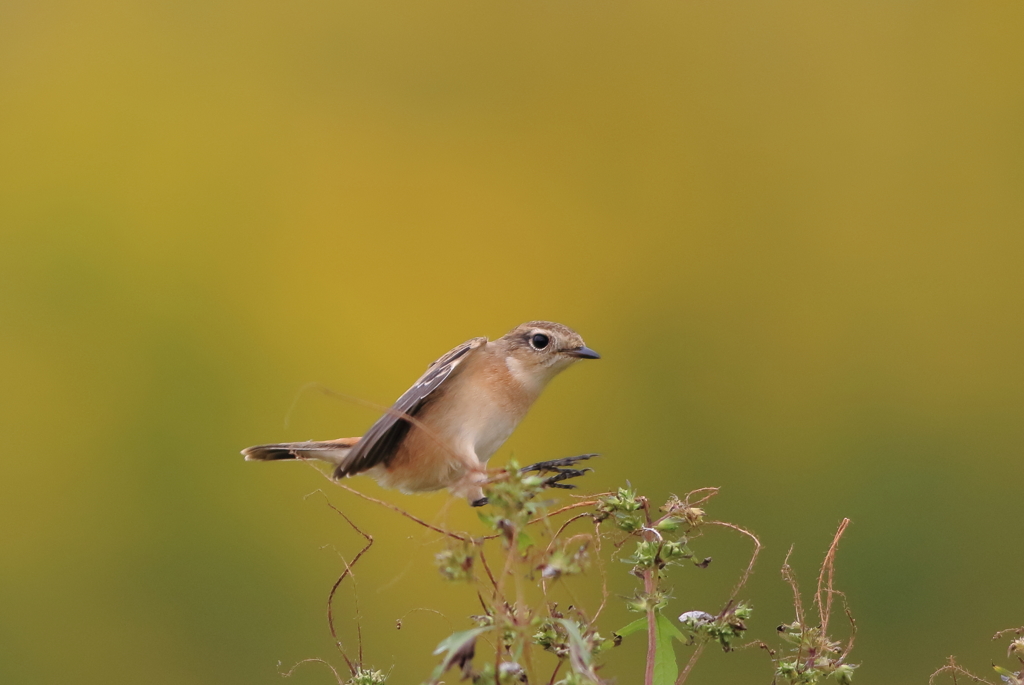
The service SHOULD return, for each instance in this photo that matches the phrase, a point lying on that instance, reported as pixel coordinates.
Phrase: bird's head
(538, 350)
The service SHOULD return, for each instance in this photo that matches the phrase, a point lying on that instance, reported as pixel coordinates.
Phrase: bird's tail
(331, 451)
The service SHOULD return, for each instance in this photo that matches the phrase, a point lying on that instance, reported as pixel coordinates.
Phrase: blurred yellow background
(794, 230)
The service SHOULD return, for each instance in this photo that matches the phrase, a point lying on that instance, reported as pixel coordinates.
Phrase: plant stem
(652, 642)
(650, 585)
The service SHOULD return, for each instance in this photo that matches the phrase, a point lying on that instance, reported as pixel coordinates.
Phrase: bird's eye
(539, 341)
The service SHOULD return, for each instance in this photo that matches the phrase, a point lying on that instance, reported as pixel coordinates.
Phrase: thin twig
(798, 605)
(953, 667)
(711, 490)
(330, 614)
(1015, 631)
(487, 568)
(483, 602)
(337, 583)
(568, 507)
(359, 619)
(690, 664)
(601, 568)
(826, 578)
(290, 671)
(787, 575)
(853, 628)
(760, 645)
(554, 673)
(753, 557)
(403, 512)
(554, 538)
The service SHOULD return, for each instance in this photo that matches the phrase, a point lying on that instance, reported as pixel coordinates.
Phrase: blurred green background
(795, 231)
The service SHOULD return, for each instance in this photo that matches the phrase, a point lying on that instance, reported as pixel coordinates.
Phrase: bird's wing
(381, 442)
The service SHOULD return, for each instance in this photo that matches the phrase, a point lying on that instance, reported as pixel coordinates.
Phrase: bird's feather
(333, 451)
(382, 441)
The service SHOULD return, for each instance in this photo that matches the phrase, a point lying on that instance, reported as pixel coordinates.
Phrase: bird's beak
(584, 353)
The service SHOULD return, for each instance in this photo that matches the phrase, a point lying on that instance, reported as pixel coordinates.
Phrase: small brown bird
(442, 431)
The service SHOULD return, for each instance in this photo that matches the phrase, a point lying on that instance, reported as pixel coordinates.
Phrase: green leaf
(580, 656)
(635, 626)
(578, 649)
(665, 669)
(459, 647)
(674, 630)
(488, 519)
(524, 541)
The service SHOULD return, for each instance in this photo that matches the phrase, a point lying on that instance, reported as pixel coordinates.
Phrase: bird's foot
(559, 467)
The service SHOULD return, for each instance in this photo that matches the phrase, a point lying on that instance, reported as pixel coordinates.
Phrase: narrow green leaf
(665, 669)
(488, 519)
(577, 646)
(580, 657)
(674, 630)
(459, 646)
(456, 640)
(635, 626)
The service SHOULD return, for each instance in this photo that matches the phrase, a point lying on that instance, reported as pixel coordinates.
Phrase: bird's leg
(560, 469)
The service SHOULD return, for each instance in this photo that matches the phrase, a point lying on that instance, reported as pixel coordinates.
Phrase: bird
(441, 432)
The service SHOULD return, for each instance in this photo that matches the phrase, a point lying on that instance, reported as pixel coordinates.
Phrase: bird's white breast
(493, 433)
(482, 408)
